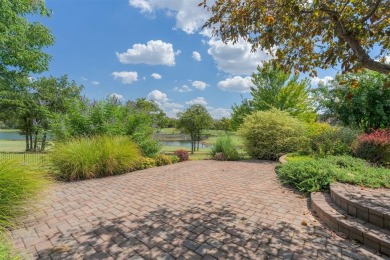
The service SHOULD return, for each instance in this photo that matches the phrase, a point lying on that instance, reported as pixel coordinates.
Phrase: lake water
(181, 144)
(15, 136)
(11, 136)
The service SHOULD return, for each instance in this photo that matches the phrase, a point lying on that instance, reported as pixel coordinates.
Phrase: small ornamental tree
(193, 121)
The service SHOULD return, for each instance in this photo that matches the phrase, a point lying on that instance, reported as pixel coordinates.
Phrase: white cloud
(141, 4)
(236, 84)
(324, 80)
(116, 96)
(126, 77)
(157, 95)
(162, 100)
(196, 56)
(199, 84)
(153, 53)
(173, 113)
(237, 59)
(169, 105)
(197, 101)
(156, 76)
(183, 89)
(387, 59)
(84, 78)
(94, 82)
(218, 113)
(189, 16)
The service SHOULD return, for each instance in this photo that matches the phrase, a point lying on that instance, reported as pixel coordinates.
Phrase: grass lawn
(12, 146)
(201, 155)
(9, 130)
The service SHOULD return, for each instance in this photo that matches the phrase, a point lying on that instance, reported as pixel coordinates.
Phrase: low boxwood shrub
(182, 154)
(99, 156)
(315, 174)
(374, 147)
(163, 159)
(224, 145)
(145, 163)
(270, 134)
(18, 186)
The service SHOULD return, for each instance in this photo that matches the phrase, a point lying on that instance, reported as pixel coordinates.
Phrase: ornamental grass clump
(19, 185)
(224, 149)
(94, 157)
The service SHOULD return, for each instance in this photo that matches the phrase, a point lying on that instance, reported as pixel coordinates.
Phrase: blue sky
(150, 48)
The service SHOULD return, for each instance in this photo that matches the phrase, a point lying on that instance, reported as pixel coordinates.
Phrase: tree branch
(358, 50)
(373, 10)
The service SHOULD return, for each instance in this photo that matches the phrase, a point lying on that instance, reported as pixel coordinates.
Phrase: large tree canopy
(21, 41)
(309, 34)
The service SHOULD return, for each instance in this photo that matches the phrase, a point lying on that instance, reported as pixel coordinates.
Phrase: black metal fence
(25, 158)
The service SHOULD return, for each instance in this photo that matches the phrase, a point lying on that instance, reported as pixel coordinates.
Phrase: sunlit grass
(99, 156)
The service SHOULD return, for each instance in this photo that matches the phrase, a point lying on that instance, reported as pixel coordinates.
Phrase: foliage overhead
(21, 40)
(359, 100)
(306, 35)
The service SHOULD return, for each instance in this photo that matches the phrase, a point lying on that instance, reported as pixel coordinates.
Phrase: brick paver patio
(190, 210)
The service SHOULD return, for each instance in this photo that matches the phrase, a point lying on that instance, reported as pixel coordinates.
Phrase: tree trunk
(35, 141)
(43, 145)
(31, 140)
(27, 143)
(192, 144)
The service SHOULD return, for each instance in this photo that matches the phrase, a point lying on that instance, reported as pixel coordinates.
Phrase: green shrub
(182, 154)
(163, 159)
(374, 147)
(332, 141)
(18, 186)
(174, 159)
(270, 134)
(149, 146)
(224, 144)
(94, 157)
(145, 163)
(306, 175)
(314, 174)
